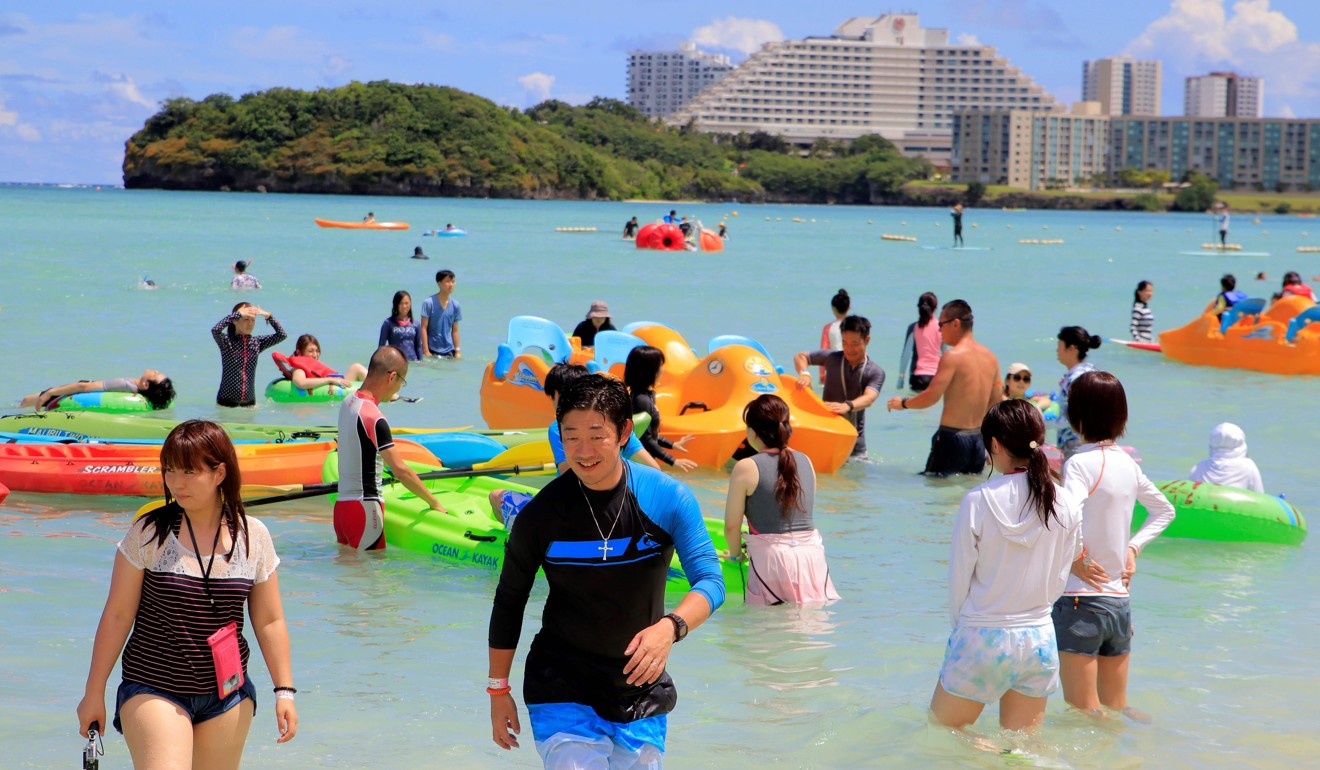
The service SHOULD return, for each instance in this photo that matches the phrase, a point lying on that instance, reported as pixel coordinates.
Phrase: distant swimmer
(957, 213)
(155, 387)
(630, 228)
(671, 218)
(242, 279)
(968, 380)
(449, 228)
(370, 217)
(724, 231)
(147, 283)
(418, 253)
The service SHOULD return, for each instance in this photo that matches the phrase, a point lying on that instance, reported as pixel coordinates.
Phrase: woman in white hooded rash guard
(1229, 465)
(1013, 544)
(1093, 619)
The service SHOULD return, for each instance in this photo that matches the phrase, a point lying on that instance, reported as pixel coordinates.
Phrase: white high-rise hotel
(1224, 95)
(660, 82)
(884, 75)
(1123, 85)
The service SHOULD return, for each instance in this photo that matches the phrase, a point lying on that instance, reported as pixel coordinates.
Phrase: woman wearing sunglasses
(1017, 384)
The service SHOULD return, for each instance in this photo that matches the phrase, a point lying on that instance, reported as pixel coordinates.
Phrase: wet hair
(200, 445)
(1077, 337)
(443, 274)
(926, 305)
(856, 323)
(1136, 295)
(767, 415)
(841, 302)
(158, 393)
(1097, 406)
(232, 331)
(1020, 429)
(561, 376)
(304, 341)
(1291, 278)
(1228, 282)
(597, 393)
(642, 369)
(960, 310)
(399, 296)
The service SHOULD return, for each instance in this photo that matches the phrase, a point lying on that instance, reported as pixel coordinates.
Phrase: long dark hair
(841, 302)
(304, 341)
(1021, 432)
(1077, 337)
(642, 369)
(199, 445)
(1136, 295)
(767, 416)
(926, 305)
(398, 300)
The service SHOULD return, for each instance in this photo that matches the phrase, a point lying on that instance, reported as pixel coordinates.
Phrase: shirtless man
(968, 375)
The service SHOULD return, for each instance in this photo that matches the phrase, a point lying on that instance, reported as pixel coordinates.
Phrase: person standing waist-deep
(852, 380)
(240, 351)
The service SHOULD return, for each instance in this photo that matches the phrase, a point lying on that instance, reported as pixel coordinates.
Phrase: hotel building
(1122, 85)
(1224, 95)
(1030, 150)
(875, 75)
(661, 82)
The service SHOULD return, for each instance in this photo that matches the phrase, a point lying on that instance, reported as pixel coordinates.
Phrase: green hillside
(389, 138)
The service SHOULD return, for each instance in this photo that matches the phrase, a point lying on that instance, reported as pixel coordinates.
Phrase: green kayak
(469, 532)
(1212, 512)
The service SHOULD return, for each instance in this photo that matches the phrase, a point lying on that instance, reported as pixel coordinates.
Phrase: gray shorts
(1093, 625)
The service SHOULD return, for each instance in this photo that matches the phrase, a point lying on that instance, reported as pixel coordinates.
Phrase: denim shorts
(1093, 625)
(198, 707)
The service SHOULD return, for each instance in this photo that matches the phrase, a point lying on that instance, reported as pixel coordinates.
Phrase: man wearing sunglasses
(968, 381)
(365, 446)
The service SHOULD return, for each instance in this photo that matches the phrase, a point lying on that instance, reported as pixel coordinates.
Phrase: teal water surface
(390, 650)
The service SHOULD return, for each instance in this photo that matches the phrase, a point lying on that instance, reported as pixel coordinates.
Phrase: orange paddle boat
(1279, 339)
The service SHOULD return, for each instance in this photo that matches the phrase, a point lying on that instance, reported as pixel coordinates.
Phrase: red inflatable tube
(664, 237)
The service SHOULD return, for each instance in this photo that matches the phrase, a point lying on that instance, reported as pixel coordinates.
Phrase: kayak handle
(693, 405)
(479, 538)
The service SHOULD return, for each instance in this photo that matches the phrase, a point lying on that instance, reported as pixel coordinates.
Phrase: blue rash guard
(607, 582)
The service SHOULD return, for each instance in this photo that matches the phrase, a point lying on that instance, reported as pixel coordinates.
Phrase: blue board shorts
(572, 735)
(981, 664)
(1093, 625)
(511, 504)
(199, 708)
(955, 450)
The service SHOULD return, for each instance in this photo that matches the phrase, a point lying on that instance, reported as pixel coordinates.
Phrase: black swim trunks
(955, 451)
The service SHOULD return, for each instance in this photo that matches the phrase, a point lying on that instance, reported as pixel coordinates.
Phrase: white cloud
(1250, 37)
(1286, 111)
(969, 40)
(335, 65)
(735, 34)
(7, 117)
(27, 132)
(537, 85)
(122, 85)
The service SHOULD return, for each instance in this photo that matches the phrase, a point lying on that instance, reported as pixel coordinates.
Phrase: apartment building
(1123, 85)
(662, 82)
(882, 75)
(1030, 150)
(1224, 95)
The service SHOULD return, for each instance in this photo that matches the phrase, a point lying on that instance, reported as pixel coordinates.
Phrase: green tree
(1198, 195)
(975, 193)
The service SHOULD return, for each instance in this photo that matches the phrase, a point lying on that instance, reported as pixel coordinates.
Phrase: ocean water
(390, 650)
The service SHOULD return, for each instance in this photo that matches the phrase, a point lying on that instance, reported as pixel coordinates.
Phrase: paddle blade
(531, 453)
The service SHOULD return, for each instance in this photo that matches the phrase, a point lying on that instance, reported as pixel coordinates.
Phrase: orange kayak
(363, 225)
(134, 469)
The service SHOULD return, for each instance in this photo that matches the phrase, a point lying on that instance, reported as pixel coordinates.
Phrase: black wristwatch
(680, 627)
(850, 406)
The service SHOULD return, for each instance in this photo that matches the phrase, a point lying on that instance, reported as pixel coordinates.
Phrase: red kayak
(134, 469)
(1154, 347)
(4, 492)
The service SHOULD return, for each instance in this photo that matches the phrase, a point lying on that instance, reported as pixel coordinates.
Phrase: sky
(78, 78)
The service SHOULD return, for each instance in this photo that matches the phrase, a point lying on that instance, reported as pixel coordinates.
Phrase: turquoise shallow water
(390, 650)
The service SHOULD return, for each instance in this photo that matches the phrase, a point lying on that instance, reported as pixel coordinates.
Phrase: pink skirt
(788, 569)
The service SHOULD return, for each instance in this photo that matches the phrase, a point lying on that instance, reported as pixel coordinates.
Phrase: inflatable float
(663, 237)
(1280, 339)
(102, 401)
(1230, 514)
(703, 397)
(469, 532)
(457, 232)
(363, 225)
(134, 469)
(711, 241)
(283, 391)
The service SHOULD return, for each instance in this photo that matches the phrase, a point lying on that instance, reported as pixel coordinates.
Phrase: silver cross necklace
(604, 538)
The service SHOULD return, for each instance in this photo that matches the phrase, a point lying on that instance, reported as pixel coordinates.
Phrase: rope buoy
(575, 229)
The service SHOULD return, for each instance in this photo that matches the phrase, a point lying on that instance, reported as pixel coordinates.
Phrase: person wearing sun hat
(597, 320)
(1017, 384)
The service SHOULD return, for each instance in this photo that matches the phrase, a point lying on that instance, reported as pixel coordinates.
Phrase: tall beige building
(1224, 95)
(1031, 150)
(882, 75)
(1123, 85)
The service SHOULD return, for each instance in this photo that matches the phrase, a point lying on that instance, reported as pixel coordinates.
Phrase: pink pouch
(228, 660)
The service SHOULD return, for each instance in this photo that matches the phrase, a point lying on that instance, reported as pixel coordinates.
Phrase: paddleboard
(1225, 253)
(1152, 346)
(957, 248)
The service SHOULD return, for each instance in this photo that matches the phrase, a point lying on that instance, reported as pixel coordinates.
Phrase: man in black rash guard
(604, 532)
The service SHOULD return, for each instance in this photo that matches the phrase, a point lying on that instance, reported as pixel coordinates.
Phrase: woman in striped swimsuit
(239, 351)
